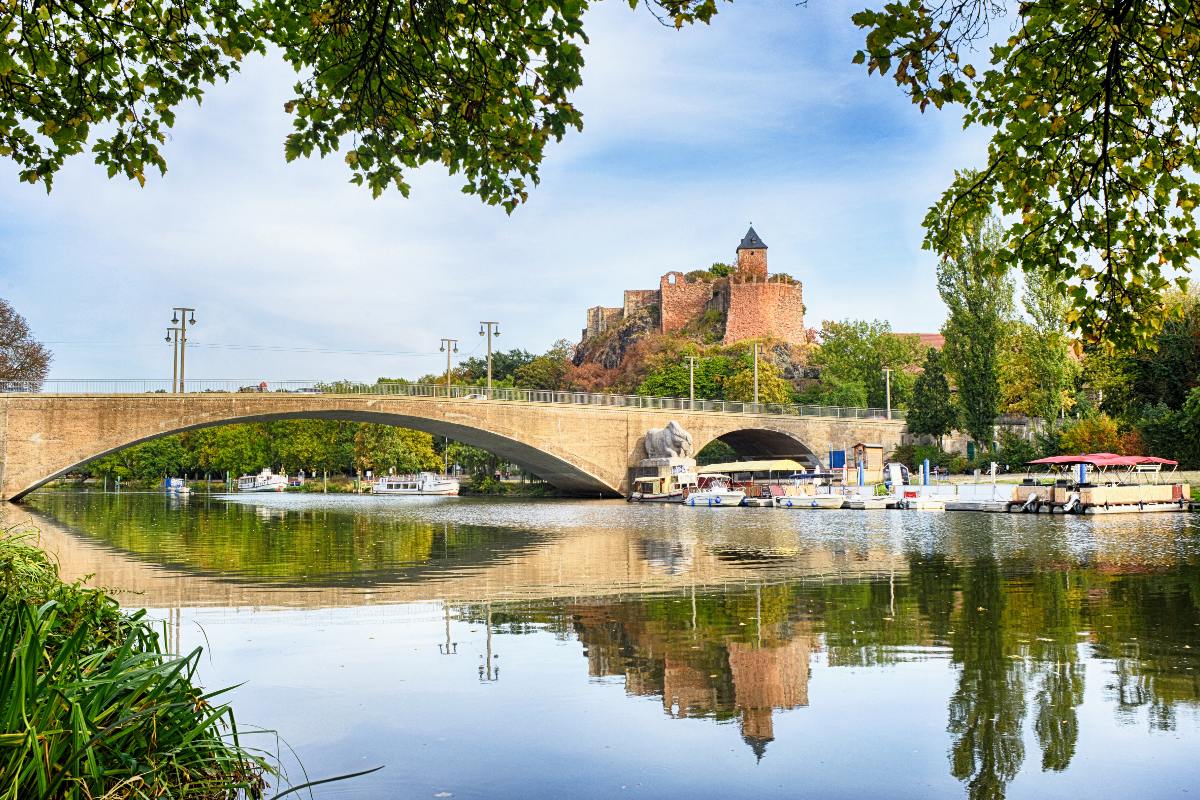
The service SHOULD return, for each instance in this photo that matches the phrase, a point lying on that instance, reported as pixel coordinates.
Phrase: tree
(1092, 109)
(1095, 434)
(385, 447)
(853, 356)
(772, 387)
(932, 411)
(979, 297)
(480, 89)
(547, 371)
(24, 361)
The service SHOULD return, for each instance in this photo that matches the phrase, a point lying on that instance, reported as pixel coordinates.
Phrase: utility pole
(449, 346)
(174, 358)
(887, 376)
(756, 373)
(180, 318)
(492, 329)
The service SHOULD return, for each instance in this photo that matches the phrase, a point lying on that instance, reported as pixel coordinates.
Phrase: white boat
(424, 483)
(176, 486)
(923, 503)
(663, 488)
(265, 481)
(802, 501)
(714, 492)
(862, 502)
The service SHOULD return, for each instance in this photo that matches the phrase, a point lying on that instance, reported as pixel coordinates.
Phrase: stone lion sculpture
(669, 442)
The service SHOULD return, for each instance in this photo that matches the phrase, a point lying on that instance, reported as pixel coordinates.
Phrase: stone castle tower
(755, 304)
(752, 256)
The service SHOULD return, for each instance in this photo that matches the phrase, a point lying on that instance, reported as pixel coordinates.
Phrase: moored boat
(265, 481)
(1101, 483)
(425, 483)
(176, 486)
(820, 501)
(714, 491)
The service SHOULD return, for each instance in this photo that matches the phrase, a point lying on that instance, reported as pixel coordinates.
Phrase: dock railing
(136, 386)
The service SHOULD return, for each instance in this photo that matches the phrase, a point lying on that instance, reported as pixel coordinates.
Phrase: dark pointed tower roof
(751, 241)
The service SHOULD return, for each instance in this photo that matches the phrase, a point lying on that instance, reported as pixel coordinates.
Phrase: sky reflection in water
(513, 649)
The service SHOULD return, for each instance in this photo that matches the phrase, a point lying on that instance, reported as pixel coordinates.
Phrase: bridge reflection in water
(867, 654)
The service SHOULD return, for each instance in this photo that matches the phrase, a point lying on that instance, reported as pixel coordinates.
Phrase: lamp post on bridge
(449, 347)
(887, 378)
(180, 318)
(756, 373)
(174, 358)
(692, 381)
(489, 328)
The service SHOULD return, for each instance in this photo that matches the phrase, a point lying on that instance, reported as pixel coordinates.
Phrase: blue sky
(688, 136)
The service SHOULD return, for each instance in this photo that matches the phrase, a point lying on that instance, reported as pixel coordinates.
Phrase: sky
(689, 136)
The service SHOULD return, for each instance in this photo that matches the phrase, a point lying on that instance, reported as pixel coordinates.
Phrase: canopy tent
(1105, 460)
(770, 465)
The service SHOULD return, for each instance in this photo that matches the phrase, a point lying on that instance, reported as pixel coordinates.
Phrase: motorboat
(714, 491)
(265, 481)
(803, 501)
(176, 486)
(425, 483)
(862, 502)
(669, 488)
(1101, 483)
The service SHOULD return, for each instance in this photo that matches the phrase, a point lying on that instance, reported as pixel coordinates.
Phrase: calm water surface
(483, 649)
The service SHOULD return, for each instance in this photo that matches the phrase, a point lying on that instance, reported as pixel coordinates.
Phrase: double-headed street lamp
(180, 317)
(449, 347)
(489, 328)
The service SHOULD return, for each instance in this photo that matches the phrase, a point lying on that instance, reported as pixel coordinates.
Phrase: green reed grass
(91, 705)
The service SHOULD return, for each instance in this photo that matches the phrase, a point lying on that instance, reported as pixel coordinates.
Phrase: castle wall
(600, 319)
(682, 301)
(637, 299)
(752, 263)
(765, 310)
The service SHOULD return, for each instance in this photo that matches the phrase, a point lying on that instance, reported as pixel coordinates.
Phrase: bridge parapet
(136, 386)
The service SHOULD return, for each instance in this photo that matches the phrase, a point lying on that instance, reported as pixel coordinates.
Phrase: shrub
(1094, 434)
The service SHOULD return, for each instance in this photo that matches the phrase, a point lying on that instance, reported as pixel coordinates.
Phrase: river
(593, 649)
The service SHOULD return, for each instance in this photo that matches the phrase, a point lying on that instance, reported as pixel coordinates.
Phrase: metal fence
(133, 386)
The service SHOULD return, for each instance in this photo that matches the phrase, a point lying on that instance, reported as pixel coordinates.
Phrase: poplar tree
(976, 289)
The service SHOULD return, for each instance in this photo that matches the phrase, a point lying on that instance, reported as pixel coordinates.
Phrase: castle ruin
(753, 303)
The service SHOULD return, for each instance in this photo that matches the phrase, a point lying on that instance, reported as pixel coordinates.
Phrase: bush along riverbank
(92, 706)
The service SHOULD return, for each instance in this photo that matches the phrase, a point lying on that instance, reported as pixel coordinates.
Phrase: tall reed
(91, 705)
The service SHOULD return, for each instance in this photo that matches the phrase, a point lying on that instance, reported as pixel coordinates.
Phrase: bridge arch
(765, 442)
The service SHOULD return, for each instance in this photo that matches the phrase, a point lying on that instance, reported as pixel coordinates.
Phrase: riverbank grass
(92, 706)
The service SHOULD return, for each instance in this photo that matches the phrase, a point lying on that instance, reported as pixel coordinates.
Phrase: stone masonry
(755, 305)
(581, 448)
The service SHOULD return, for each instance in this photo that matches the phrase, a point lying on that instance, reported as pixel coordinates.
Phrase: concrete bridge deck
(582, 443)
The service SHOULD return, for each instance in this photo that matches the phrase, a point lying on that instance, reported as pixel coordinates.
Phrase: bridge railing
(230, 386)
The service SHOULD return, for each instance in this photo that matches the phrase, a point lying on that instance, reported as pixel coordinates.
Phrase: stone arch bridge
(584, 444)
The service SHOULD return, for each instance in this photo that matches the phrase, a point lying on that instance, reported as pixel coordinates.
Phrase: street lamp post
(174, 358)
(692, 382)
(489, 328)
(887, 376)
(180, 318)
(449, 347)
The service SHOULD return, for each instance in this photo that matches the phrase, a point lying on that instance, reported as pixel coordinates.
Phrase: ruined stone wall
(600, 319)
(765, 310)
(637, 299)
(752, 263)
(682, 301)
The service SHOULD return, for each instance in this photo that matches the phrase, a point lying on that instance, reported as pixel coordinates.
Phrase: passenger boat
(265, 481)
(1101, 483)
(714, 491)
(824, 501)
(422, 484)
(669, 488)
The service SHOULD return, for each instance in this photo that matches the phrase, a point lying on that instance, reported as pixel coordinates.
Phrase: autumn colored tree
(24, 361)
